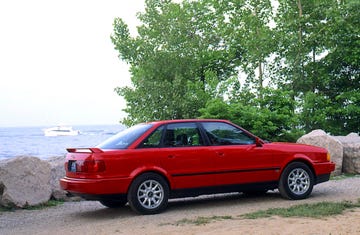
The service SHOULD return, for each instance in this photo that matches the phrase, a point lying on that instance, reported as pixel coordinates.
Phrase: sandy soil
(92, 218)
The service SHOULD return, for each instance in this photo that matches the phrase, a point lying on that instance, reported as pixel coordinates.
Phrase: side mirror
(258, 142)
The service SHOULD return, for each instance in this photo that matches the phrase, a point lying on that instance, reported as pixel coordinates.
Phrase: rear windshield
(124, 138)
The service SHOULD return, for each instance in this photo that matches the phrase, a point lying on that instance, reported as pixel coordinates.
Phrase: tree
(319, 53)
(301, 62)
(274, 121)
(170, 59)
(342, 64)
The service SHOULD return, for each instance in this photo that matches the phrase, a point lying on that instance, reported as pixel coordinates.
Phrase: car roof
(188, 120)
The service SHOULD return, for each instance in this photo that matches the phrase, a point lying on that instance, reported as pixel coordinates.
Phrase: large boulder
(351, 145)
(24, 181)
(57, 172)
(321, 139)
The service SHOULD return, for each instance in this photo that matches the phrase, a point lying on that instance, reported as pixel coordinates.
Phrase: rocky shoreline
(28, 181)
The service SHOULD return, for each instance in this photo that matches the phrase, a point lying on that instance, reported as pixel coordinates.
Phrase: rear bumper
(95, 186)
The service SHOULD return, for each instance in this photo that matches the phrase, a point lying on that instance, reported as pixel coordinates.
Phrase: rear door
(185, 157)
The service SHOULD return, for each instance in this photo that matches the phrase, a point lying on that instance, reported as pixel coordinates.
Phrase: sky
(58, 64)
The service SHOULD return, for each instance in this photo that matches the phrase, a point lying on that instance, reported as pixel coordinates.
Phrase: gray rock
(57, 172)
(351, 145)
(353, 135)
(350, 138)
(351, 162)
(24, 181)
(334, 146)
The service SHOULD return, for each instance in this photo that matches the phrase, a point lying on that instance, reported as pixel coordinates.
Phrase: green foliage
(170, 60)
(319, 44)
(179, 99)
(271, 118)
(279, 73)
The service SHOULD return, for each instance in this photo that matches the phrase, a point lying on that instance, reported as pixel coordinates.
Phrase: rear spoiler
(84, 150)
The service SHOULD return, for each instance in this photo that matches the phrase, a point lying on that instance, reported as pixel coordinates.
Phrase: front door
(238, 159)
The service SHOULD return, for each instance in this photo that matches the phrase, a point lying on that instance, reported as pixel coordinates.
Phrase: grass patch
(41, 206)
(317, 210)
(50, 203)
(6, 209)
(344, 176)
(200, 220)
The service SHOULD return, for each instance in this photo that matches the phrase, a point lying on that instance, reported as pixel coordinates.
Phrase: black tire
(296, 181)
(148, 194)
(113, 203)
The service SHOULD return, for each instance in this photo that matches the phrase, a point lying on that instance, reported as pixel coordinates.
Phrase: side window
(153, 140)
(182, 135)
(225, 134)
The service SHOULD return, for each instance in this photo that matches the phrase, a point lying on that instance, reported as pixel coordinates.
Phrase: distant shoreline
(30, 141)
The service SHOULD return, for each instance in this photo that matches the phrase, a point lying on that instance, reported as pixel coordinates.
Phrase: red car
(149, 163)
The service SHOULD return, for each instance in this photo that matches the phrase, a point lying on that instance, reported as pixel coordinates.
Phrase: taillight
(88, 166)
(328, 157)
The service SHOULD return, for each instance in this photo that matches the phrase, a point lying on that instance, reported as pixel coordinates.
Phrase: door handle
(220, 154)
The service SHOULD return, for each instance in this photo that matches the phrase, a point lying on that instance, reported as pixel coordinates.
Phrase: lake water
(30, 141)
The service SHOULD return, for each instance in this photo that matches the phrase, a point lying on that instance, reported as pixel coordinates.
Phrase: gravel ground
(87, 217)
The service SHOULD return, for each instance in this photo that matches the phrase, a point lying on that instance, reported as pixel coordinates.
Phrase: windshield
(124, 138)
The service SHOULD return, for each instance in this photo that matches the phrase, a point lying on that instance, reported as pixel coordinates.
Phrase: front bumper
(323, 171)
(324, 168)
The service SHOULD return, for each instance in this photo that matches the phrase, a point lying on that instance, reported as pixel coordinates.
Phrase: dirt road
(92, 218)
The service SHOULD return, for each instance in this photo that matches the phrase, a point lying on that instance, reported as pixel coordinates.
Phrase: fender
(298, 157)
(151, 168)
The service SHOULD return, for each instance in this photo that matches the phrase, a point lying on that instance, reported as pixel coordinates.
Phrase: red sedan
(149, 163)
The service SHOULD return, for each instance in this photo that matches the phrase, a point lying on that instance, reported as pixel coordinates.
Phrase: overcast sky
(58, 64)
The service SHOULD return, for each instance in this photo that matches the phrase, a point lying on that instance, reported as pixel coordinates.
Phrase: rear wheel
(296, 181)
(148, 194)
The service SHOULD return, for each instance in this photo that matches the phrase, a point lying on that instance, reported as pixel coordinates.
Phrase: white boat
(60, 131)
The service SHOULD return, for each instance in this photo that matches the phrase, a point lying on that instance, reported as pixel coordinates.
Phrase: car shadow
(99, 212)
(220, 200)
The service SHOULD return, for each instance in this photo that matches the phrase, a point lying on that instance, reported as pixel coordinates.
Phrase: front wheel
(148, 194)
(296, 181)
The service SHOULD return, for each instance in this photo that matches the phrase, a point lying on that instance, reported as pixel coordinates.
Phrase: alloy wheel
(298, 181)
(150, 194)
